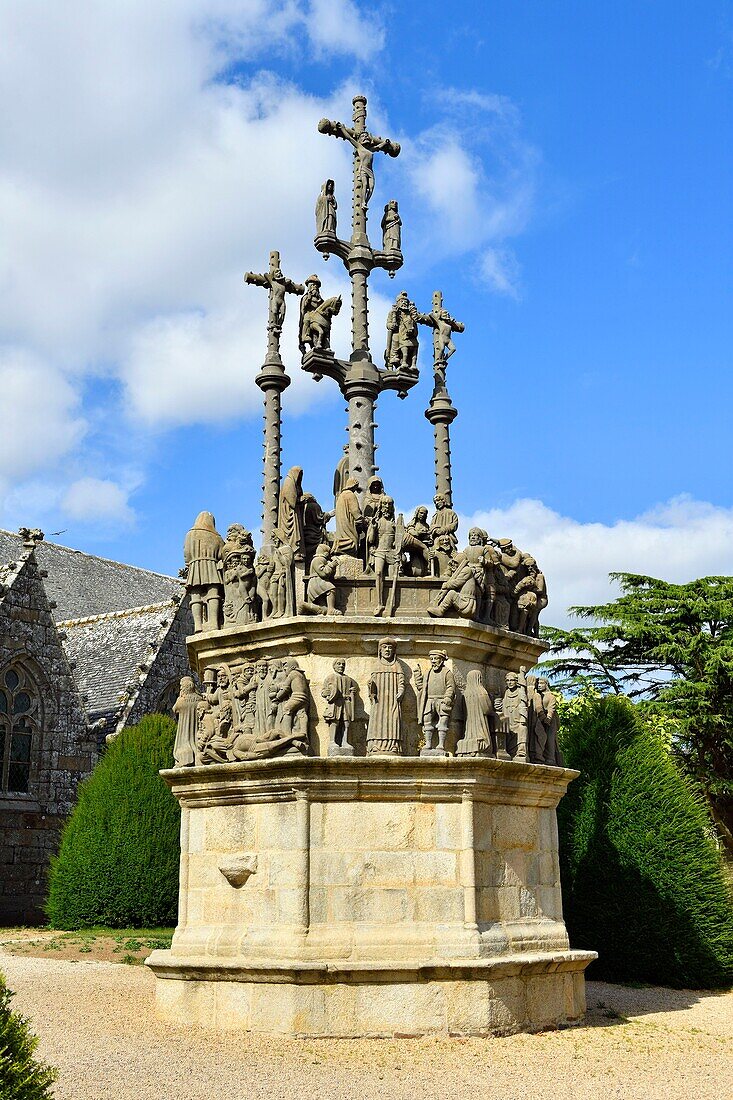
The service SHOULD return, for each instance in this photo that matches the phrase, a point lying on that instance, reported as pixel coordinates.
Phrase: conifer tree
(669, 646)
(21, 1076)
(118, 860)
(643, 882)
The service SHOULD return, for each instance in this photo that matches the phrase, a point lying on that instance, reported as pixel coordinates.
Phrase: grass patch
(121, 945)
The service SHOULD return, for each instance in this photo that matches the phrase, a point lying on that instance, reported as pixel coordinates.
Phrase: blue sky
(566, 180)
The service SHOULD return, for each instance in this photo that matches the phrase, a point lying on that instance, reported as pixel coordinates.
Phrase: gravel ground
(96, 1024)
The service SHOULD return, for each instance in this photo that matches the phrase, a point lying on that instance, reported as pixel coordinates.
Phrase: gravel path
(97, 1026)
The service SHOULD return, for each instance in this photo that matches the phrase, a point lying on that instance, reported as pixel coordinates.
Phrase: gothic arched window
(20, 723)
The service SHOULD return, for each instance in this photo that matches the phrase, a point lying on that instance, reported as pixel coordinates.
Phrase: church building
(87, 647)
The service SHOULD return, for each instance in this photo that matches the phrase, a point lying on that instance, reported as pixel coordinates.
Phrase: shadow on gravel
(609, 1005)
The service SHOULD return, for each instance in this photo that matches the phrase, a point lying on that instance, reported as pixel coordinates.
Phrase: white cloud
(477, 175)
(40, 414)
(95, 500)
(135, 186)
(337, 26)
(500, 268)
(141, 171)
(677, 541)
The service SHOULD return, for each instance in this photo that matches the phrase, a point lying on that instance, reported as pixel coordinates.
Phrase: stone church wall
(63, 750)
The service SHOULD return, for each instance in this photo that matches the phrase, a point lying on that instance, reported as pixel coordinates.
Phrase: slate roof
(108, 650)
(83, 585)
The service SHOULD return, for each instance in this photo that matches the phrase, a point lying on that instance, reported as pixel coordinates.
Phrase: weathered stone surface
(382, 874)
(35, 799)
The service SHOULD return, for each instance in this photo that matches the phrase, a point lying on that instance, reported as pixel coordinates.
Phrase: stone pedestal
(370, 896)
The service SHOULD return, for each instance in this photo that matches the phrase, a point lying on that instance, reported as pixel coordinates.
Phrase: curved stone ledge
(380, 778)
(202, 968)
(359, 635)
(496, 997)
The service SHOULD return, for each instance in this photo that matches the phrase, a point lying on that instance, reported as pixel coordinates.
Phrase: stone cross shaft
(359, 379)
(272, 380)
(441, 412)
(277, 286)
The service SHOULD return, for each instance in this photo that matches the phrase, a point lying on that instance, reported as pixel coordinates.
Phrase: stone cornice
(358, 635)
(371, 778)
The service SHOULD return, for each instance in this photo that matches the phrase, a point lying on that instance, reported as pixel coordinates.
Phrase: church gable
(125, 661)
(45, 744)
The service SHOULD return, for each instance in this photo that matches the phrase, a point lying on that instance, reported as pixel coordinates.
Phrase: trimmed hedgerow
(21, 1076)
(118, 860)
(643, 882)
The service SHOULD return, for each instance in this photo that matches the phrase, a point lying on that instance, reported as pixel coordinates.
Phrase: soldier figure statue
(401, 350)
(436, 694)
(339, 691)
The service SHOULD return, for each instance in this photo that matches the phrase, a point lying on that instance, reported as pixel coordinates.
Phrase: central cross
(358, 378)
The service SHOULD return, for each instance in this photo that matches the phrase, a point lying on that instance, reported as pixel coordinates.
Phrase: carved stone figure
(275, 676)
(479, 728)
(279, 705)
(391, 227)
(340, 475)
(373, 498)
(291, 696)
(263, 708)
(385, 553)
(402, 343)
(416, 543)
(290, 511)
(264, 568)
(243, 693)
(543, 723)
(530, 597)
(365, 146)
(436, 694)
(185, 710)
(281, 589)
(314, 526)
(514, 714)
(215, 715)
(202, 556)
(326, 207)
(339, 691)
(386, 687)
(508, 562)
(468, 589)
(321, 585)
(349, 519)
(277, 286)
(443, 558)
(316, 315)
(240, 581)
(443, 326)
(444, 521)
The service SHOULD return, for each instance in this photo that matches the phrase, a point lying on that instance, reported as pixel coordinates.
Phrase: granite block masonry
(368, 774)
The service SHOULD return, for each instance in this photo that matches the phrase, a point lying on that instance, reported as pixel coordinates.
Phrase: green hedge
(118, 861)
(643, 882)
(21, 1076)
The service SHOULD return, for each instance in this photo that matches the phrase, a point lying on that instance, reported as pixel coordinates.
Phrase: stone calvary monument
(368, 777)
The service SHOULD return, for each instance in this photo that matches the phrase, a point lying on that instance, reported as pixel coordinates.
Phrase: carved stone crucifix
(441, 412)
(272, 380)
(443, 326)
(278, 286)
(359, 379)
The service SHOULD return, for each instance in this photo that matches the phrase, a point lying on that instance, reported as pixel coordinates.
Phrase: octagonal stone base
(370, 896)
